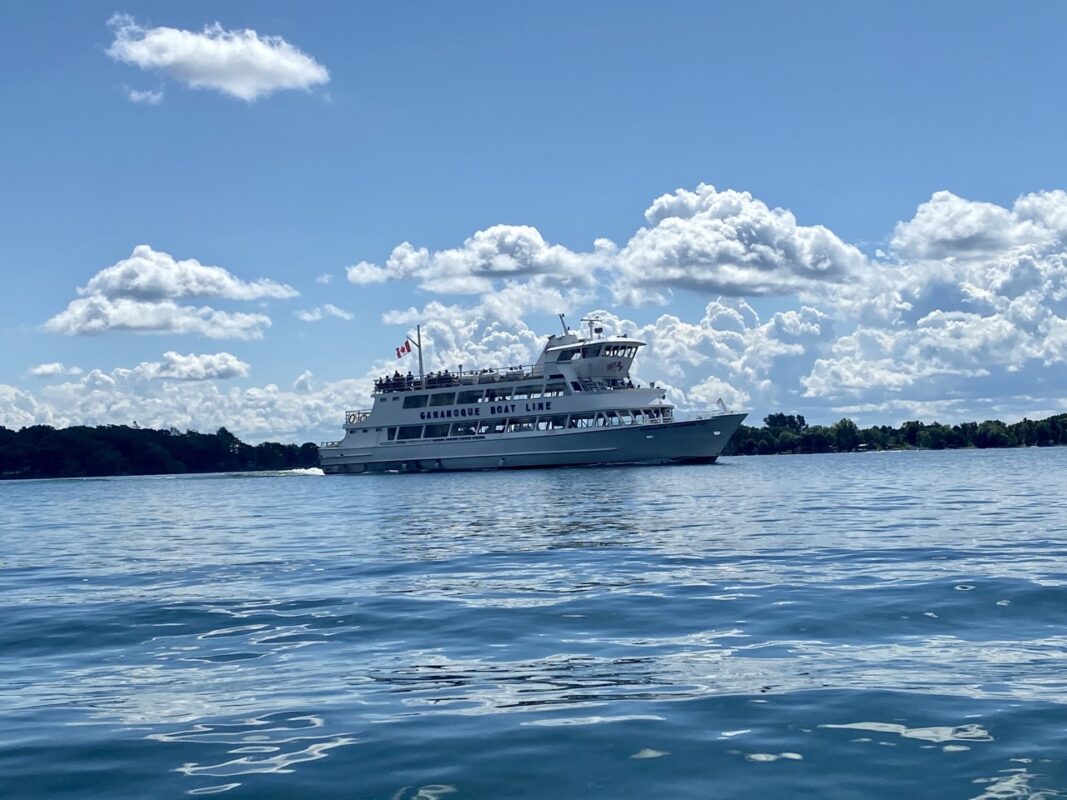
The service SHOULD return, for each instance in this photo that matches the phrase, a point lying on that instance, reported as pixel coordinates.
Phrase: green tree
(993, 433)
(845, 435)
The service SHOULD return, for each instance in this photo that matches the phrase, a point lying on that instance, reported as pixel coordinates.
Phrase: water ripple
(844, 625)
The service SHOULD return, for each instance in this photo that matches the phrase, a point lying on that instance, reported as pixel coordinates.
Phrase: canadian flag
(404, 349)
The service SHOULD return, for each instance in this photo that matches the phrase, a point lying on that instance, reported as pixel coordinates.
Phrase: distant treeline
(789, 433)
(45, 452)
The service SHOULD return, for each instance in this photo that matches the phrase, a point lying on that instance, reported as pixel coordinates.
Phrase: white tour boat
(577, 405)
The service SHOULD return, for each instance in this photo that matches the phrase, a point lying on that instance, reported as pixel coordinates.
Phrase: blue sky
(438, 121)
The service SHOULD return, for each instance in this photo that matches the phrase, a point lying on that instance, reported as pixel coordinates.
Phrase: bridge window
(443, 399)
(569, 355)
(409, 432)
(591, 351)
(555, 390)
(415, 401)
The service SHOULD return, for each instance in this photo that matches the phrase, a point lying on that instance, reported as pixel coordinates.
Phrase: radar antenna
(594, 325)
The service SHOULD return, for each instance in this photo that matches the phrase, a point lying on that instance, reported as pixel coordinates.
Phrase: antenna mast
(563, 322)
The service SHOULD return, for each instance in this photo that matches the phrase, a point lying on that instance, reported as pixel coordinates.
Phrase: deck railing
(470, 377)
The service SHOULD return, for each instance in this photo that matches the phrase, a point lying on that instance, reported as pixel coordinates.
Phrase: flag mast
(418, 343)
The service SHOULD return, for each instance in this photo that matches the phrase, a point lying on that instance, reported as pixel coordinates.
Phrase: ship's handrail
(469, 377)
(707, 414)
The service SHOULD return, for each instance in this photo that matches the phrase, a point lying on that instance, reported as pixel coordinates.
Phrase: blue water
(847, 626)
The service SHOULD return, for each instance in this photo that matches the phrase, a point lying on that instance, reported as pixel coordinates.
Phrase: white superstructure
(576, 405)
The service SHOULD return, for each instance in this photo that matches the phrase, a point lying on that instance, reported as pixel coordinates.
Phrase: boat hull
(682, 442)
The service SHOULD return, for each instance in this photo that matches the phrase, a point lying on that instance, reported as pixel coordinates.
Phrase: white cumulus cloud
(98, 314)
(320, 312)
(947, 225)
(239, 63)
(497, 253)
(138, 294)
(144, 96)
(53, 369)
(155, 275)
(200, 366)
(728, 242)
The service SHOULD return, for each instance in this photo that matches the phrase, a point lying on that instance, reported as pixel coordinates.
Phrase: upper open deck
(605, 361)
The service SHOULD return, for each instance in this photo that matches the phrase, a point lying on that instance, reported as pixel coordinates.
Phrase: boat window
(526, 393)
(435, 431)
(391, 434)
(497, 426)
(668, 413)
(626, 416)
(591, 352)
(569, 355)
(482, 428)
(612, 418)
(443, 399)
(582, 420)
(556, 422)
(415, 401)
(463, 429)
(465, 398)
(600, 421)
(555, 376)
(409, 432)
(576, 386)
(520, 424)
(497, 395)
(555, 390)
